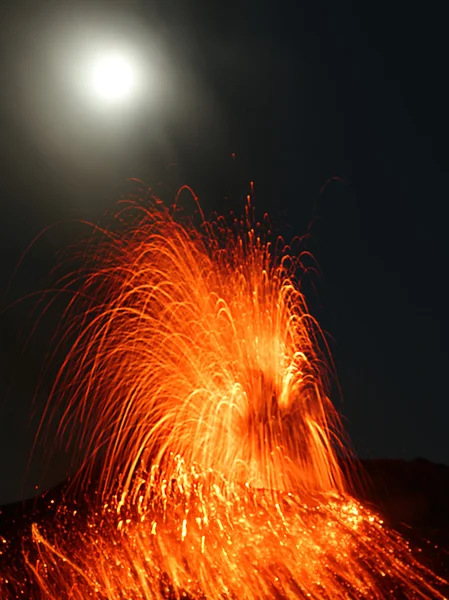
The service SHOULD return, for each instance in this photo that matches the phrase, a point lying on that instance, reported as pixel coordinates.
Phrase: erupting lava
(200, 381)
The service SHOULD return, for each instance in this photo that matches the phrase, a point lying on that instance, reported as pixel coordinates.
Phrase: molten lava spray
(201, 383)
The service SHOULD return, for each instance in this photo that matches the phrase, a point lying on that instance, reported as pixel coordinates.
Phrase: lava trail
(200, 383)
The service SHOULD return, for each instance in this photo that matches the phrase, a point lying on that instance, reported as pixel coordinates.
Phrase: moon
(113, 77)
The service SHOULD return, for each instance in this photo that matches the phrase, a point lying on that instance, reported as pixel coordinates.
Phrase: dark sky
(302, 93)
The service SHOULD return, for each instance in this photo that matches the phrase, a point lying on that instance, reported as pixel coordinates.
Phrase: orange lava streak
(204, 349)
(199, 381)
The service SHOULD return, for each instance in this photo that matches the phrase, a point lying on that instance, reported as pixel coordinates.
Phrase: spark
(201, 381)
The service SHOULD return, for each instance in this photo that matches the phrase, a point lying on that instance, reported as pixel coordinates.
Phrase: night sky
(349, 93)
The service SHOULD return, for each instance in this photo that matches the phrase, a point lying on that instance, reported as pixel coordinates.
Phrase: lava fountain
(201, 384)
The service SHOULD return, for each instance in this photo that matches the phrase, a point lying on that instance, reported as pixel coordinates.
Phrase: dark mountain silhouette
(412, 496)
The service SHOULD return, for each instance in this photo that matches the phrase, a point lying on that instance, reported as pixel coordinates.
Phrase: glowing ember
(199, 381)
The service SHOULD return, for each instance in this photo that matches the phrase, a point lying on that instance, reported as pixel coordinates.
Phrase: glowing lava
(199, 379)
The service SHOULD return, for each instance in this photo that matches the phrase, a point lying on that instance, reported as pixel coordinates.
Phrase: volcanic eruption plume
(201, 384)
